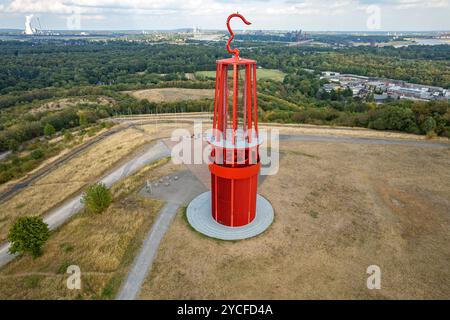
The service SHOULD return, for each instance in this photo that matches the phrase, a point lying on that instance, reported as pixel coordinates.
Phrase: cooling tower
(28, 28)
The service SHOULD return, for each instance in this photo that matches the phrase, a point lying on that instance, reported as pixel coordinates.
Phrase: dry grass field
(172, 94)
(339, 207)
(78, 140)
(69, 178)
(102, 245)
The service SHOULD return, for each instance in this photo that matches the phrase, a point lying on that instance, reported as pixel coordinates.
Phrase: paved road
(61, 214)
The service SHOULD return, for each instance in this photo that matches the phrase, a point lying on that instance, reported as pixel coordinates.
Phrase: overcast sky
(320, 15)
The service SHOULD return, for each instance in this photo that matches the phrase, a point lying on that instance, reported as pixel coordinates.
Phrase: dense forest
(28, 65)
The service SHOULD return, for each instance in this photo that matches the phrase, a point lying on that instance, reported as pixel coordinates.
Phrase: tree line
(26, 66)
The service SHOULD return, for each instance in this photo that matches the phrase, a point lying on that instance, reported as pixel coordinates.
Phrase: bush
(13, 145)
(28, 234)
(429, 125)
(5, 176)
(49, 130)
(97, 198)
(37, 154)
(68, 136)
(393, 118)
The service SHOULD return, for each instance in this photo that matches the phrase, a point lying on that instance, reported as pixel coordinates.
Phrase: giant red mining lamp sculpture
(235, 141)
(232, 210)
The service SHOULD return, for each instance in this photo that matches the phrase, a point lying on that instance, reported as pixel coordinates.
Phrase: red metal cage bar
(235, 141)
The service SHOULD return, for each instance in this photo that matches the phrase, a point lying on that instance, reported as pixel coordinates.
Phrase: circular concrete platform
(199, 216)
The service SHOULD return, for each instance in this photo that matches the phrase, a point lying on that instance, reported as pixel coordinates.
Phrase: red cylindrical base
(233, 191)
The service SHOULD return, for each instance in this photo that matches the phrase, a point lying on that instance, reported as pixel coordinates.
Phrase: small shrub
(429, 125)
(6, 176)
(91, 132)
(97, 198)
(32, 281)
(431, 134)
(49, 130)
(314, 214)
(13, 145)
(68, 136)
(37, 154)
(28, 234)
(63, 267)
(108, 124)
(83, 120)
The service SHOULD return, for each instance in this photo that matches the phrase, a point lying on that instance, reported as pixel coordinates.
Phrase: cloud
(296, 9)
(314, 14)
(408, 4)
(40, 6)
(95, 6)
(196, 7)
(96, 17)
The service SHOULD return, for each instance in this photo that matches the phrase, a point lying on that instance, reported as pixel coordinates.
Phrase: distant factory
(383, 89)
(31, 30)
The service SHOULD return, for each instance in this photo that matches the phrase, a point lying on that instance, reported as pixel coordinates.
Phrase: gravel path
(179, 192)
(141, 266)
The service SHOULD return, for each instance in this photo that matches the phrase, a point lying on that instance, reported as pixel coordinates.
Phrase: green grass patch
(63, 267)
(32, 281)
(314, 214)
(66, 247)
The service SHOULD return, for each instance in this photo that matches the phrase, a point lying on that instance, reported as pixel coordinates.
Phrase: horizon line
(225, 30)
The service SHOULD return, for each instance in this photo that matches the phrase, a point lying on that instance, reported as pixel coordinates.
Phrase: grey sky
(339, 15)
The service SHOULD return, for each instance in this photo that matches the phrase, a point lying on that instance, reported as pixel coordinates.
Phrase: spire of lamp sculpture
(235, 141)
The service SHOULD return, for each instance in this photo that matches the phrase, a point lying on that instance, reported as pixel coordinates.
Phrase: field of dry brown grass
(102, 245)
(339, 207)
(172, 94)
(69, 178)
(78, 140)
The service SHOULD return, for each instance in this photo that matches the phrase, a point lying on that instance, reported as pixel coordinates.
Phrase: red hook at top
(236, 50)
